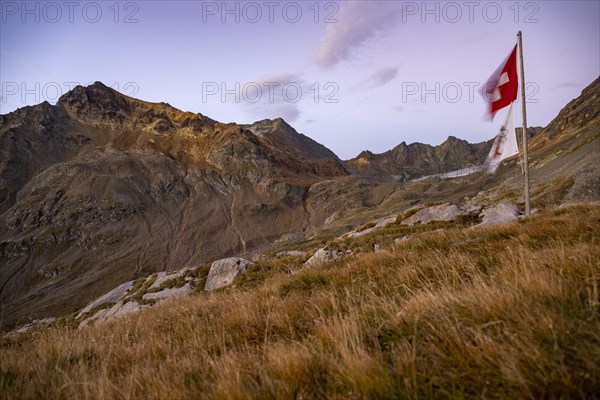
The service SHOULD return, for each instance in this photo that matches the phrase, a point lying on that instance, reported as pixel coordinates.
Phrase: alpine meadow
(333, 219)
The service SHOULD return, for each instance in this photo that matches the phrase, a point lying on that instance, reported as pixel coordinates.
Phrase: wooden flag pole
(524, 113)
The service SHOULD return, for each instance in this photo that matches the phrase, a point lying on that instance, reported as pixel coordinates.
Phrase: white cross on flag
(502, 87)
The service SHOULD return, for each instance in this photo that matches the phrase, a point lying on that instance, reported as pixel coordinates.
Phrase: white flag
(505, 144)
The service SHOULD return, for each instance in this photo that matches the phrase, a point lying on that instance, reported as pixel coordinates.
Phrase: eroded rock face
(443, 212)
(223, 272)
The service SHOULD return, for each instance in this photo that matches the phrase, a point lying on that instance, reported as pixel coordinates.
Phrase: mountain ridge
(96, 193)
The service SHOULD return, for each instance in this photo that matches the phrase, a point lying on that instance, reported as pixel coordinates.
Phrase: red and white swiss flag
(502, 87)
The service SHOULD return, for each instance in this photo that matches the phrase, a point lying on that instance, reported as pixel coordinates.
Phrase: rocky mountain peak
(453, 139)
(270, 126)
(96, 100)
(277, 133)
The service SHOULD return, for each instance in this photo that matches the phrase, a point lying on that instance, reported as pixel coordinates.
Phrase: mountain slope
(506, 312)
(102, 187)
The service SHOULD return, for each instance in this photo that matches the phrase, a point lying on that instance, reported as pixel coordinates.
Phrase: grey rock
(161, 277)
(380, 223)
(383, 222)
(472, 208)
(291, 253)
(402, 239)
(31, 325)
(111, 297)
(443, 212)
(118, 310)
(98, 316)
(322, 256)
(223, 272)
(377, 248)
(121, 309)
(586, 185)
(164, 294)
(498, 214)
(356, 234)
(165, 277)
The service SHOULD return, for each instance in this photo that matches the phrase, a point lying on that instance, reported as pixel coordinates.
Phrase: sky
(353, 75)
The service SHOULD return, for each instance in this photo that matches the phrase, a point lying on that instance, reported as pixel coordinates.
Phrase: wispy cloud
(381, 77)
(358, 22)
(274, 96)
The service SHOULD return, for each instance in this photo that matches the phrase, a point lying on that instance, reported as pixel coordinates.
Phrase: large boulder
(443, 212)
(499, 214)
(322, 256)
(223, 272)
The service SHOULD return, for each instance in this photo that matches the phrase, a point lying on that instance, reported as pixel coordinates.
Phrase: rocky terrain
(102, 189)
(404, 161)
(134, 296)
(409, 161)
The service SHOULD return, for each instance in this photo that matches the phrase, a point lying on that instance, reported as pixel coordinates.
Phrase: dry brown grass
(505, 312)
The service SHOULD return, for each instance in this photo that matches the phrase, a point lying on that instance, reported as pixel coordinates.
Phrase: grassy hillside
(501, 312)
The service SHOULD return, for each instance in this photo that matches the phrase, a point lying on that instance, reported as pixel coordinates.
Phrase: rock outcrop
(102, 187)
(223, 272)
(134, 296)
(111, 297)
(291, 253)
(322, 256)
(443, 212)
(169, 293)
(499, 214)
(121, 309)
